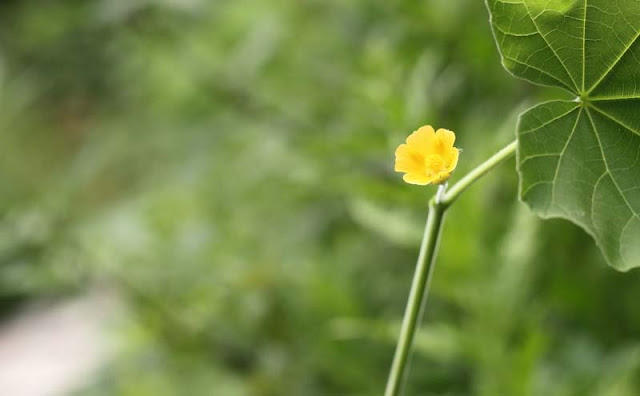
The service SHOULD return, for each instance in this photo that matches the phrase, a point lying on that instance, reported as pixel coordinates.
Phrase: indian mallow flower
(428, 157)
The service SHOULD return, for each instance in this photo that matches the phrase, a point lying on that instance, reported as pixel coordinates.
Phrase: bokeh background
(204, 192)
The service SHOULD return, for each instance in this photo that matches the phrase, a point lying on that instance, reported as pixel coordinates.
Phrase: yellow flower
(428, 157)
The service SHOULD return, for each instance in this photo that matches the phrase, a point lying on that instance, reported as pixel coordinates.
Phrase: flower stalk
(418, 294)
(425, 265)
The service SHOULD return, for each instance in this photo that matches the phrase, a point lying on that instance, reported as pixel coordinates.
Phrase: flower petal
(451, 159)
(423, 139)
(445, 137)
(415, 178)
(408, 159)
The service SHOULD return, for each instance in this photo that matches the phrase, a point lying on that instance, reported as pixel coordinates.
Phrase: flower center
(434, 164)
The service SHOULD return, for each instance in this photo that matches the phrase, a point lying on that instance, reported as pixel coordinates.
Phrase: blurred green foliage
(226, 168)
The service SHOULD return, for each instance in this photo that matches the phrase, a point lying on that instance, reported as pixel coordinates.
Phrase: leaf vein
(528, 131)
(549, 45)
(555, 176)
(622, 124)
(604, 158)
(615, 62)
(534, 156)
(525, 192)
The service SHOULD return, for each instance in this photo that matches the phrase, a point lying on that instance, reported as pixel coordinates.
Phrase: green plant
(577, 159)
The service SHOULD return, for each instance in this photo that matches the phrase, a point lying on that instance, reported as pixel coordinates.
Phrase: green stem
(419, 289)
(478, 172)
(426, 263)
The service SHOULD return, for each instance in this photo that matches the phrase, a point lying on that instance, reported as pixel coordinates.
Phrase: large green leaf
(579, 159)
